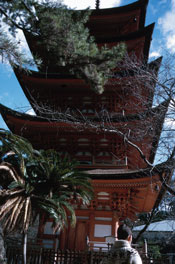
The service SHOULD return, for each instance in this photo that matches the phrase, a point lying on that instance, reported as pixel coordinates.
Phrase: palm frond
(10, 193)
(11, 172)
(18, 219)
(27, 201)
(14, 209)
(10, 224)
(16, 143)
(6, 207)
(34, 182)
(71, 210)
(11, 217)
(27, 214)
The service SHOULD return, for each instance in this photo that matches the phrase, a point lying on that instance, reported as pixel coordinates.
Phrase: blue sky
(162, 12)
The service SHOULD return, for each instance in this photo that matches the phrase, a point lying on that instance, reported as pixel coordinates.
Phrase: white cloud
(169, 124)
(167, 26)
(79, 4)
(167, 22)
(154, 54)
(171, 43)
(31, 112)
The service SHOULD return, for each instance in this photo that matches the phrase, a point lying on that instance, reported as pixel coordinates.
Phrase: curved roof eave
(158, 131)
(124, 174)
(121, 9)
(145, 32)
(160, 109)
(154, 67)
(133, 13)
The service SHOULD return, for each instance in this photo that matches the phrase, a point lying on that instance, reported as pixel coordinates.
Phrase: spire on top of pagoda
(97, 5)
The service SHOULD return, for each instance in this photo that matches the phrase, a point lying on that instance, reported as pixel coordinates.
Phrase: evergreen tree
(63, 38)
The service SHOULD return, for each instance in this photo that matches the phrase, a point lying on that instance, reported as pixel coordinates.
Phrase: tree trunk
(24, 247)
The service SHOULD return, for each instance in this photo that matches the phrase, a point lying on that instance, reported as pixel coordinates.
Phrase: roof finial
(97, 5)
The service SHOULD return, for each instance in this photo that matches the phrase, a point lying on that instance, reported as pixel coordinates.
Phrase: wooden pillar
(63, 235)
(91, 227)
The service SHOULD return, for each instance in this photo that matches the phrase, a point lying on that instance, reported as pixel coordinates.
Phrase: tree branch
(12, 21)
(165, 185)
(145, 227)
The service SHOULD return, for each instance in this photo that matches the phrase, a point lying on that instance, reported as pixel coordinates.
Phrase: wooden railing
(49, 256)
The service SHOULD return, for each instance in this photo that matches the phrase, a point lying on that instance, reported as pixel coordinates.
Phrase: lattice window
(120, 201)
(103, 196)
(103, 157)
(87, 111)
(103, 154)
(63, 141)
(83, 153)
(103, 142)
(84, 157)
(83, 142)
(87, 100)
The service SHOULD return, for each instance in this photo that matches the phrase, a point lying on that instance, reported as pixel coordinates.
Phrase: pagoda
(124, 185)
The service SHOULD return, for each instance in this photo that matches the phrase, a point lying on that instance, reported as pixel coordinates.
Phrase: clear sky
(162, 12)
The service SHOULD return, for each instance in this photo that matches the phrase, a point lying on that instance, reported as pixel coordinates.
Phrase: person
(122, 252)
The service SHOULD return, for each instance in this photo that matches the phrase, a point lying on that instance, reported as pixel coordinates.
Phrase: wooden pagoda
(123, 183)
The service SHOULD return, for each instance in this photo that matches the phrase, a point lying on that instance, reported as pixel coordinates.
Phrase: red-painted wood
(123, 185)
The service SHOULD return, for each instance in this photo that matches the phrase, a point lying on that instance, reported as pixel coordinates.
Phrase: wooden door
(75, 238)
(81, 235)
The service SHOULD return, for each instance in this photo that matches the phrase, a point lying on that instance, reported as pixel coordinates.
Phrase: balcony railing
(102, 161)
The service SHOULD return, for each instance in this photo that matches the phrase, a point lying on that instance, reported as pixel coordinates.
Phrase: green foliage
(154, 250)
(36, 182)
(63, 37)
(67, 41)
(9, 50)
(21, 14)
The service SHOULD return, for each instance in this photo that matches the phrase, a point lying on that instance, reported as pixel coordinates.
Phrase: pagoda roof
(43, 89)
(36, 129)
(132, 196)
(137, 43)
(154, 66)
(60, 120)
(117, 20)
(143, 186)
(110, 22)
(140, 175)
(139, 190)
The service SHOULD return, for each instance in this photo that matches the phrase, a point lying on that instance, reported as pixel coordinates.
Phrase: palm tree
(36, 182)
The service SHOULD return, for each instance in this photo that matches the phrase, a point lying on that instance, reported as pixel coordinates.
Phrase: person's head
(124, 232)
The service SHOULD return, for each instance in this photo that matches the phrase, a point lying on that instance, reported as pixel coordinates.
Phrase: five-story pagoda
(91, 128)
